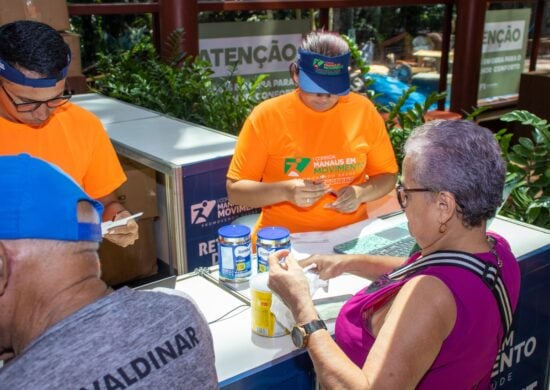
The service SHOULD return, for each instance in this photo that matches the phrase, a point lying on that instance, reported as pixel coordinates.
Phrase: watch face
(297, 337)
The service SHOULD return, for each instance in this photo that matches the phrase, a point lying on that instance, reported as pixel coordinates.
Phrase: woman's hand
(327, 266)
(348, 199)
(304, 193)
(287, 279)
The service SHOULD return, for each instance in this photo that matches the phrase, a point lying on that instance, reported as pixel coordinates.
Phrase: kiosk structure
(191, 162)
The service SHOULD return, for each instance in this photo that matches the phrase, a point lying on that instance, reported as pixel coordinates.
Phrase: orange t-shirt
(73, 139)
(284, 139)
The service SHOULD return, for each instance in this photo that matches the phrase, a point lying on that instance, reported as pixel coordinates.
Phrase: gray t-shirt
(154, 339)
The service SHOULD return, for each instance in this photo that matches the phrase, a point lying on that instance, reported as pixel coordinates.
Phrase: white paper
(106, 226)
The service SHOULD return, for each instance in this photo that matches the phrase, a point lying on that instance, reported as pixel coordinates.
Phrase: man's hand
(123, 235)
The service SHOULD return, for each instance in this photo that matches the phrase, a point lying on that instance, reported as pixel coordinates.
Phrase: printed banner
(254, 48)
(206, 209)
(503, 54)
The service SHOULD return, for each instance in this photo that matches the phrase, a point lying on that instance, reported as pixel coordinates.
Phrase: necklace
(492, 242)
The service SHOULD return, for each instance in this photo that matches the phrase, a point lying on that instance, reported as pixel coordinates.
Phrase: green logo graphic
(296, 164)
(317, 63)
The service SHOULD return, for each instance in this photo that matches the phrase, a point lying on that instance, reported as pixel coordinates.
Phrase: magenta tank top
(468, 353)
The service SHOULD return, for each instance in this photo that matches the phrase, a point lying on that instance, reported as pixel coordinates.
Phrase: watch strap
(313, 326)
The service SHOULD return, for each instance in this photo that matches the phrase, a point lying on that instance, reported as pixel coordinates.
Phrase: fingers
(277, 260)
(123, 235)
(308, 192)
(346, 202)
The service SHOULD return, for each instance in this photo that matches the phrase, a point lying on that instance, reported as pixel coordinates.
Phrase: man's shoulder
(126, 334)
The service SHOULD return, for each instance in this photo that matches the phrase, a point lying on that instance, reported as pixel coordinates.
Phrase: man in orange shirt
(37, 118)
(313, 158)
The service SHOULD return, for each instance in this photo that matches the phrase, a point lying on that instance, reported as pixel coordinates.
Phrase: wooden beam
(112, 9)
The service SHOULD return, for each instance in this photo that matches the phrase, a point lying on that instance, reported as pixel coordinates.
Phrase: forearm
(257, 194)
(371, 266)
(333, 368)
(377, 186)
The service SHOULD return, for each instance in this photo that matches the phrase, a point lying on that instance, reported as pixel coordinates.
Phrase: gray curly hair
(463, 158)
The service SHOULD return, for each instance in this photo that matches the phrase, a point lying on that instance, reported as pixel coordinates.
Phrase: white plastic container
(263, 320)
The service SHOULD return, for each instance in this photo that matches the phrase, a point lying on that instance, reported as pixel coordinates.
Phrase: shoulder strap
(486, 271)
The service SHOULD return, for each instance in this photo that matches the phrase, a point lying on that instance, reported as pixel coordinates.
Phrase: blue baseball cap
(38, 200)
(322, 74)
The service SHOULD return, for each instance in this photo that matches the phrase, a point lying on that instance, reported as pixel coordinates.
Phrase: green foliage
(528, 173)
(185, 91)
(400, 124)
(107, 33)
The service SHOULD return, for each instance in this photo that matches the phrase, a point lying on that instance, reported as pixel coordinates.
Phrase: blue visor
(322, 74)
(11, 74)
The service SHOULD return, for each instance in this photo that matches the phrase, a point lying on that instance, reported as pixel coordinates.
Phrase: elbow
(230, 188)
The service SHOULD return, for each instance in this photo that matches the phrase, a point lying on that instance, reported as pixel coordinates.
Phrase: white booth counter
(245, 360)
(191, 163)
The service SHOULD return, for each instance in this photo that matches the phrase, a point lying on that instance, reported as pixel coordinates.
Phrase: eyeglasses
(33, 105)
(402, 194)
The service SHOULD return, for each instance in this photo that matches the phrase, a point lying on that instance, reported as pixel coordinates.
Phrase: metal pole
(467, 54)
(176, 14)
(536, 36)
(445, 47)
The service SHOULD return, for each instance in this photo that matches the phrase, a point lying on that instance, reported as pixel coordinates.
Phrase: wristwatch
(300, 333)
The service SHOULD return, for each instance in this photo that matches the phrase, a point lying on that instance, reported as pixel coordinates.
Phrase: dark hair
(33, 46)
(463, 158)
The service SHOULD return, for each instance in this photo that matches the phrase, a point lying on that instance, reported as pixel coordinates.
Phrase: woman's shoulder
(279, 103)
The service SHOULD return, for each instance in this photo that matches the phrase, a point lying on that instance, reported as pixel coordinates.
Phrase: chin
(36, 124)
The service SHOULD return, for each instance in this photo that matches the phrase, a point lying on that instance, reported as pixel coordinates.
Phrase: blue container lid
(234, 231)
(273, 233)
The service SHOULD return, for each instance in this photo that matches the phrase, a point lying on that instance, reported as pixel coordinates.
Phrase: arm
(253, 193)
(366, 266)
(421, 316)
(419, 320)
(113, 210)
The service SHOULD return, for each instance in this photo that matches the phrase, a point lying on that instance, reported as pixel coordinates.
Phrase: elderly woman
(439, 327)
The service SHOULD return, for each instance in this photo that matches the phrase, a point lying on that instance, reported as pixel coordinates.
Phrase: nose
(42, 112)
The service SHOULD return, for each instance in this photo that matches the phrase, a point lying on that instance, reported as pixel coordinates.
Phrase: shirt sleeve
(250, 156)
(104, 174)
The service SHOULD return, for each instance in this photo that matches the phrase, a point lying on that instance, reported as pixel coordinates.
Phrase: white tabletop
(159, 137)
(110, 110)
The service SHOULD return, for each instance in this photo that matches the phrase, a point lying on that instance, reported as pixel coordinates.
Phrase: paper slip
(106, 226)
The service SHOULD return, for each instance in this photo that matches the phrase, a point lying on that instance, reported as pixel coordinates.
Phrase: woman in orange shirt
(313, 158)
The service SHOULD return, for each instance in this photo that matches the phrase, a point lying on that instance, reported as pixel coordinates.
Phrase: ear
(4, 269)
(446, 205)
(293, 70)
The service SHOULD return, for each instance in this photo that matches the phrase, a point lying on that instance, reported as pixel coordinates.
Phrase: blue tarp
(390, 89)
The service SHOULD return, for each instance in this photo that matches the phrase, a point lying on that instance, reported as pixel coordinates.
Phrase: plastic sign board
(206, 210)
(503, 54)
(254, 48)
(524, 358)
